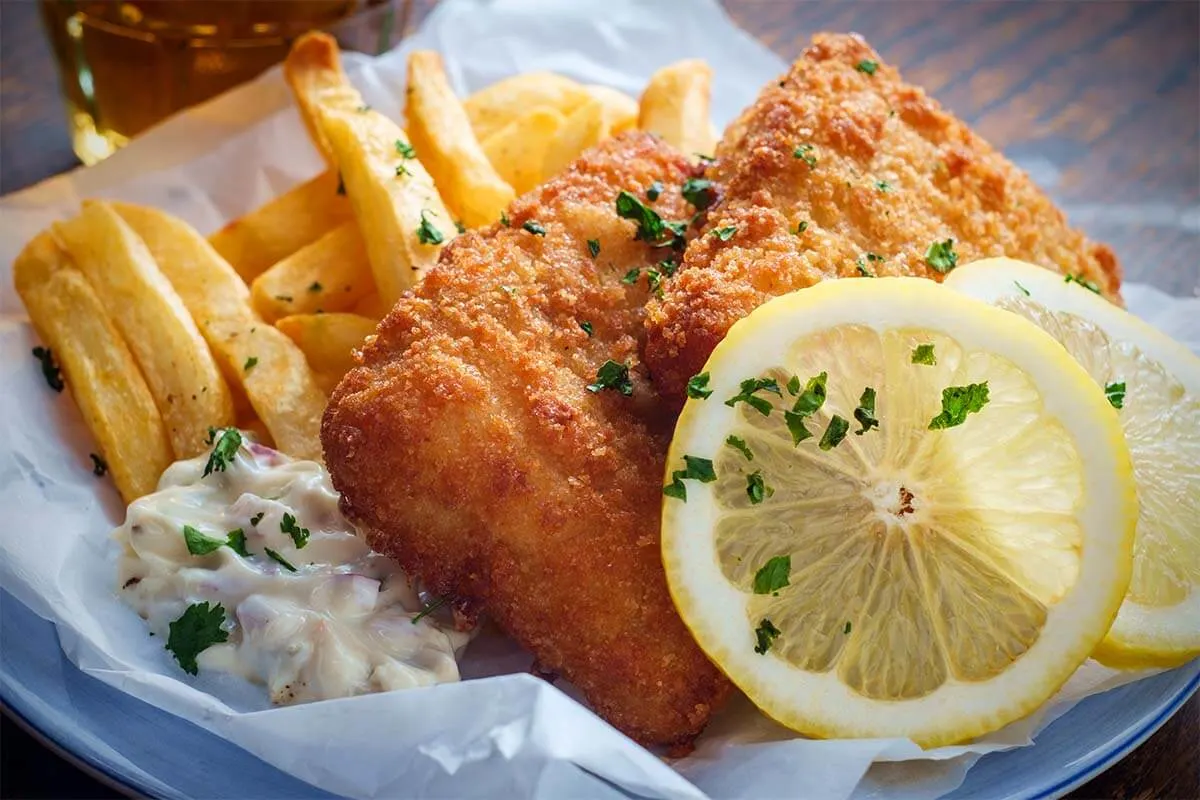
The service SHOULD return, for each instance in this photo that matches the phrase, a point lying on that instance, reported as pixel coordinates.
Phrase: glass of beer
(125, 66)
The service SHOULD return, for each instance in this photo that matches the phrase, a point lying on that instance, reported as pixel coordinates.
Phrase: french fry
(622, 110)
(399, 211)
(175, 361)
(493, 108)
(589, 125)
(446, 145)
(328, 342)
(281, 227)
(372, 307)
(271, 370)
(331, 274)
(104, 379)
(518, 150)
(675, 106)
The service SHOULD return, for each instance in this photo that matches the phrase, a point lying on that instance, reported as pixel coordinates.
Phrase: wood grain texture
(1100, 102)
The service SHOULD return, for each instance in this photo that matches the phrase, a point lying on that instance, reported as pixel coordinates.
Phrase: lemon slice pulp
(1156, 383)
(931, 558)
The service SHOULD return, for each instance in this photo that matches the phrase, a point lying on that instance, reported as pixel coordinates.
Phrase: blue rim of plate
(58, 736)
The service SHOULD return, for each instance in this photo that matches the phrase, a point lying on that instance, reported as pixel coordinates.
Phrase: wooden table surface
(1100, 102)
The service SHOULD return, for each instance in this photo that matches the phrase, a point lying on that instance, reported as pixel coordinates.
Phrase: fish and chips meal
(833, 409)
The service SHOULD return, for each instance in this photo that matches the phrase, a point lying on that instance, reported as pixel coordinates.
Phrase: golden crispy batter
(890, 174)
(469, 447)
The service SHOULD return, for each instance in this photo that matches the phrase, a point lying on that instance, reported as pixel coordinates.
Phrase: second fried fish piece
(840, 169)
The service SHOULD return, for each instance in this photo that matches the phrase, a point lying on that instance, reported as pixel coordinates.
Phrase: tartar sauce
(341, 624)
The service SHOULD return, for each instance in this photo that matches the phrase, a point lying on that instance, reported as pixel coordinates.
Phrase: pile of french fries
(162, 334)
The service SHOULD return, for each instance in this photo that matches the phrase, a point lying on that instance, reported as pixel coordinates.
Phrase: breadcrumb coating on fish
(469, 447)
(841, 170)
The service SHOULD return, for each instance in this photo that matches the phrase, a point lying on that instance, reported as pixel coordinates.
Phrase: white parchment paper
(501, 733)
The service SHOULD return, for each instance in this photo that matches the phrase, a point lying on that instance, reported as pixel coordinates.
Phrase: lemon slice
(935, 575)
(1156, 381)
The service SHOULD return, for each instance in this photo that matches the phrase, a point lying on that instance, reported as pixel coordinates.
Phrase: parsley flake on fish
(198, 629)
(941, 256)
(699, 192)
(724, 234)
(958, 402)
(867, 67)
(773, 575)
(612, 375)
(696, 469)
(654, 190)
(807, 154)
(593, 247)
(587, 328)
(534, 227)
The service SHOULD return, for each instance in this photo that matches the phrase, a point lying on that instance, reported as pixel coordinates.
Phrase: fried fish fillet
(469, 446)
(840, 169)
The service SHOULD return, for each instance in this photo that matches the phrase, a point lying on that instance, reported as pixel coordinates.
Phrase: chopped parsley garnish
(427, 232)
(867, 66)
(236, 541)
(429, 608)
(765, 634)
(793, 385)
(697, 386)
(283, 298)
(807, 154)
(632, 276)
(756, 487)
(654, 190)
(650, 226)
(957, 402)
(315, 287)
(50, 370)
(654, 281)
(198, 629)
(773, 575)
(225, 442)
(199, 544)
(724, 234)
(587, 328)
(401, 171)
(941, 256)
(341, 184)
(739, 444)
(250, 364)
(863, 269)
(747, 390)
(923, 354)
(865, 413)
(363, 109)
(834, 433)
(405, 149)
(699, 192)
(1091, 286)
(697, 469)
(801, 227)
(846, 629)
(278, 559)
(1115, 392)
(1024, 291)
(459, 226)
(504, 219)
(299, 535)
(594, 247)
(883, 186)
(534, 227)
(612, 375)
(257, 518)
(807, 404)
(99, 465)
(668, 266)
